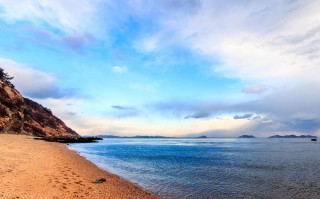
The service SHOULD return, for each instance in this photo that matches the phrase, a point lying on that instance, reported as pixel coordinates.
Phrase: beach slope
(37, 169)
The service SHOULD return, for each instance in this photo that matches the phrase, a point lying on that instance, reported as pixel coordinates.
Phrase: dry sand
(37, 169)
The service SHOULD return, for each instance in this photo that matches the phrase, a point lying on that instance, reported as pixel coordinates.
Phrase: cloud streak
(245, 116)
(254, 89)
(74, 42)
(198, 115)
(123, 107)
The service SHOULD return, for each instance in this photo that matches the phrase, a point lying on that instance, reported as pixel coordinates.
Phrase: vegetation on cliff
(6, 78)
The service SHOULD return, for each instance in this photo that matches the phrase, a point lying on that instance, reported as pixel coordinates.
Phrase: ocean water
(212, 168)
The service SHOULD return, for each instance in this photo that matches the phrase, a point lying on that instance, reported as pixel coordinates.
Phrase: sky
(171, 67)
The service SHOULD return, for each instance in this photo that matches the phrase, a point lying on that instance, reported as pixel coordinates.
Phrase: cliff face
(19, 115)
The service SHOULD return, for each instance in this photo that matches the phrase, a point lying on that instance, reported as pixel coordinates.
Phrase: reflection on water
(213, 168)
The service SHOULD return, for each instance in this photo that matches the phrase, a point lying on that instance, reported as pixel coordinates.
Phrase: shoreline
(37, 169)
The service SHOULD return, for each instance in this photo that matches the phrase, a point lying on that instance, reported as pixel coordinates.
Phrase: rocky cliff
(19, 115)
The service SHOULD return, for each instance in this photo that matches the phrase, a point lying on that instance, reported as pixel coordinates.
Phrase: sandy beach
(37, 169)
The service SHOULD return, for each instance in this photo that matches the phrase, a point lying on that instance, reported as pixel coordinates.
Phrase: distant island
(203, 136)
(293, 136)
(137, 136)
(246, 136)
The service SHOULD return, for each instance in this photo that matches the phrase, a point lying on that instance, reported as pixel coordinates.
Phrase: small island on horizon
(246, 136)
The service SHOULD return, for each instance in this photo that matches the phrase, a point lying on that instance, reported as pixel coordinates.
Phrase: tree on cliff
(6, 78)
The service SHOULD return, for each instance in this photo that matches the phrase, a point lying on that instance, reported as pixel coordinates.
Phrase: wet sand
(37, 169)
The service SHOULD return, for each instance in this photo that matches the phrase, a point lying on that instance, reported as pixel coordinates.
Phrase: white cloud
(30, 82)
(119, 69)
(149, 44)
(68, 16)
(264, 41)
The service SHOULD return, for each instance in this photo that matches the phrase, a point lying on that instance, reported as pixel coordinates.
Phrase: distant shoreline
(293, 136)
(206, 137)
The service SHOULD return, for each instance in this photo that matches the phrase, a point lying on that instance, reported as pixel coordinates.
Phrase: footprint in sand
(79, 182)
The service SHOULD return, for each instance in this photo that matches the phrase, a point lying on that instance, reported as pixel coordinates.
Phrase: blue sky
(171, 67)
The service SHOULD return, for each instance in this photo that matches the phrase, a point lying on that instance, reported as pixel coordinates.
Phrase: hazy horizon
(168, 68)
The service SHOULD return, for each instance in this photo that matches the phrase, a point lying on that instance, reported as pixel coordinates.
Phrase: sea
(212, 167)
